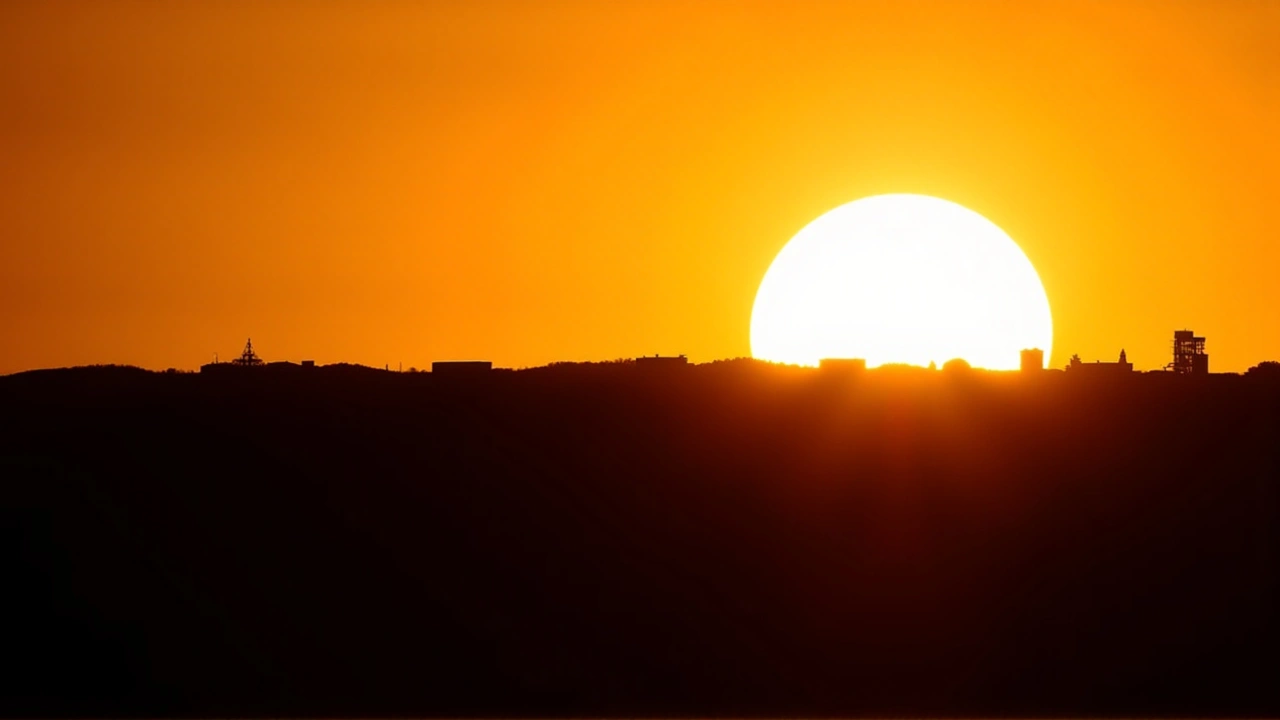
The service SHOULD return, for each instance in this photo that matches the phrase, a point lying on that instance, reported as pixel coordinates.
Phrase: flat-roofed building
(1032, 360)
(842, 365)
(461, 368)
(655, 362)
(1122, 367)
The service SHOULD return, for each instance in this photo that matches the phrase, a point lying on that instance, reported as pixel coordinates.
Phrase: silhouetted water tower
(1189, 357)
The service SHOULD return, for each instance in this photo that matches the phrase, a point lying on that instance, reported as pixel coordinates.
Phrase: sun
(901, 279)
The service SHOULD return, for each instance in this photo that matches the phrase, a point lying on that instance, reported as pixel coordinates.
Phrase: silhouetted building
(248, 358)
(1189, 357)
(1032, 360)
(1123, 367)
(842, 365)
(661, 362)
(462, 368)
(308, 363)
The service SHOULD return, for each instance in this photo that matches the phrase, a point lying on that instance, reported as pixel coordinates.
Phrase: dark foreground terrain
(729, 539)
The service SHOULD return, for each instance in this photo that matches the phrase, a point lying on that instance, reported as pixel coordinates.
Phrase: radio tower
(248, 357)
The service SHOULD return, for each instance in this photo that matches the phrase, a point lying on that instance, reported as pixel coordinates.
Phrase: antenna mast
(248, 357)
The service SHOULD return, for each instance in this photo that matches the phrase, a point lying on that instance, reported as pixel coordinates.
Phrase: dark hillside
(725, 539)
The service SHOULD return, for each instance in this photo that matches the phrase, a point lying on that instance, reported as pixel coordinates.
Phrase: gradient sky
(525, 182)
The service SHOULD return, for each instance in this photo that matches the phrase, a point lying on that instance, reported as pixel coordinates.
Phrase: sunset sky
(526, 182)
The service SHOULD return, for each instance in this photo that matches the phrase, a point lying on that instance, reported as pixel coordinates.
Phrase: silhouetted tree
(1266, 368)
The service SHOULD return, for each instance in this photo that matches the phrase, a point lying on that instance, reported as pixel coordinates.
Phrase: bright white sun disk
(901, 279)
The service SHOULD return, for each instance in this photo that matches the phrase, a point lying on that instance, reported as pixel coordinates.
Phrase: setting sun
(901, 279)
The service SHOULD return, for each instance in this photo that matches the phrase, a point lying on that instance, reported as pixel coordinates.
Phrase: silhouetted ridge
(726, 539)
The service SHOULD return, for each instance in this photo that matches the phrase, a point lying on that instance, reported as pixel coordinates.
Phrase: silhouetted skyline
(1189, 357)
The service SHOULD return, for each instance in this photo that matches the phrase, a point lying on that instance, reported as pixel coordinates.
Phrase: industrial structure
(248, 358)
(1189, 357)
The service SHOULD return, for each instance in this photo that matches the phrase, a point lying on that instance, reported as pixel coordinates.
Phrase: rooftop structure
(248, 358)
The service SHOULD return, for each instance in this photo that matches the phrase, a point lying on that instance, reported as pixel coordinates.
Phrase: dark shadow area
(726, 539)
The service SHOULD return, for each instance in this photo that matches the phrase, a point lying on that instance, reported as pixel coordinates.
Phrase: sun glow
(901, 279)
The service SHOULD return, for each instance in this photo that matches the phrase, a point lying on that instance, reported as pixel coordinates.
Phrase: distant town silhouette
(1189, 357)
(643, 537)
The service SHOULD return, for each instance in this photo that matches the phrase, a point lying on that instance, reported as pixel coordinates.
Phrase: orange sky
(384, 182)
